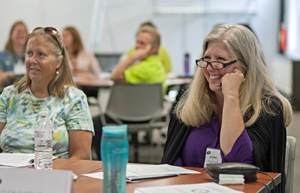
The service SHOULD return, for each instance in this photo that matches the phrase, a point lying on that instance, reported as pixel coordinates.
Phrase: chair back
(289, 163)
(135, 102)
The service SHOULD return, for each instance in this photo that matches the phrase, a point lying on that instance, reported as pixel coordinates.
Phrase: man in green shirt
(162, 52)
(143, 65)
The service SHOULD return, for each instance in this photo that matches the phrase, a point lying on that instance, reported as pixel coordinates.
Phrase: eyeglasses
(54, 33)
(214, 64)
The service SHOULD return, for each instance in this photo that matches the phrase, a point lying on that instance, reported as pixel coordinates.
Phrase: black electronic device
(249, 171)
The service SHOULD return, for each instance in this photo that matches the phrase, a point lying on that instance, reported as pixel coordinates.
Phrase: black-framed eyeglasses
(213, 64)
(54, 33)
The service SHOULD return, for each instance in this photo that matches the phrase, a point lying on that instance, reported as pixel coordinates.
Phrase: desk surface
(85, 79)
(94, 80)
(91, 185)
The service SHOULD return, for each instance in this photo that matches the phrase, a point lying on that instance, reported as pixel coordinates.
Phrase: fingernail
(219, 84)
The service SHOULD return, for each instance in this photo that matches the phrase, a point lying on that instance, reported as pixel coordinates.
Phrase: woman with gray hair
(47, 86)
(231, 107)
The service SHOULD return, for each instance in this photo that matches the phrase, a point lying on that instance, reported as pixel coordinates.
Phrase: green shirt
(149, 70)
(162, 55)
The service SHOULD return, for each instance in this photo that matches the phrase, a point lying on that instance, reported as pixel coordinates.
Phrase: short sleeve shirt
(149, 70)
(162, 55)
(21, 111)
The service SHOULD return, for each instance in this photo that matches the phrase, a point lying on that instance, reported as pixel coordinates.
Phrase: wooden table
(93, 185)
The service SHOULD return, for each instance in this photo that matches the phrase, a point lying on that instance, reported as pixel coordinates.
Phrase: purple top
(200, 138)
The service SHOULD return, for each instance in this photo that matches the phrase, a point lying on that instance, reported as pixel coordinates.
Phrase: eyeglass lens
(214, 64)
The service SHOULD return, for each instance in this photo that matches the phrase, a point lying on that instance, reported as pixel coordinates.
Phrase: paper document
(20, 160)
(189, 188)
(145, 172)
(16, 159)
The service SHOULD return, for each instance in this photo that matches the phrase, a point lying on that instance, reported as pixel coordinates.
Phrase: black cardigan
(268, 136)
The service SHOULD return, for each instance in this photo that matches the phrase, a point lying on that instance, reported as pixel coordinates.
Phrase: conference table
(92, 80)
(85, 184)
(102, 80)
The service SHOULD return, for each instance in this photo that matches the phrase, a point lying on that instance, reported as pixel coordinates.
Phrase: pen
(149, 177)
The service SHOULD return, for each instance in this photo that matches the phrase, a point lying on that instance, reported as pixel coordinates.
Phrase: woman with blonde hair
(231, 106)
(47, 86)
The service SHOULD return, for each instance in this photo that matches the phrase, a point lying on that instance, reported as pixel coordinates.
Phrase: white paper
(140, 170)
(148, 170)
(189, 188)
(16, 159)
(8, 160)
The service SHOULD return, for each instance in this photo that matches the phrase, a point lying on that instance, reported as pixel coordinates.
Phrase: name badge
(212, 156)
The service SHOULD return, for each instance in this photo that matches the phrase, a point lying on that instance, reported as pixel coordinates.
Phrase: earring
(57, 72)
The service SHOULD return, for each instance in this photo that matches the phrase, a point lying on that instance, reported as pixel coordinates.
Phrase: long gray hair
(198, 104)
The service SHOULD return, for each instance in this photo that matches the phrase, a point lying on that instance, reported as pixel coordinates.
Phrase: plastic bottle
(114, 153)
(187, 64)
(43, 142)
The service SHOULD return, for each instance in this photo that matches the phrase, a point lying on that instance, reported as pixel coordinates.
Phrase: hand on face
(231, 77)
(231, 83)
(142, 53)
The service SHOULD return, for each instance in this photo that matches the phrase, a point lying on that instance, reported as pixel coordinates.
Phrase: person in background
(81, 60)
(47, 86)
(143, 65)
(162, 52)
(231, 106)
(13, 55)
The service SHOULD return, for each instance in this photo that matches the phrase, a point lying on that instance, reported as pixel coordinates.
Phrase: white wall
(180, 32)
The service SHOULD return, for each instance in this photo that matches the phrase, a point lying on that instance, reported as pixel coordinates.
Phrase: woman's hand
(231, 83)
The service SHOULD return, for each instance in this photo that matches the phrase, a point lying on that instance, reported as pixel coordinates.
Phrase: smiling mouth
(215, 77)
(34, 69)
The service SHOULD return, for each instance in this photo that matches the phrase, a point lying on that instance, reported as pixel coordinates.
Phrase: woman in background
(81, 60)
(12, 57)
(47, 86)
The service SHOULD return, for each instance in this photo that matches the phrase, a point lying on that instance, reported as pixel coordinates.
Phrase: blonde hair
(59, 85)
(198, 103)
(153, 32)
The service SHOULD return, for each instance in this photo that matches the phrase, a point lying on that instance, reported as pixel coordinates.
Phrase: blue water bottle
(114, 154)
